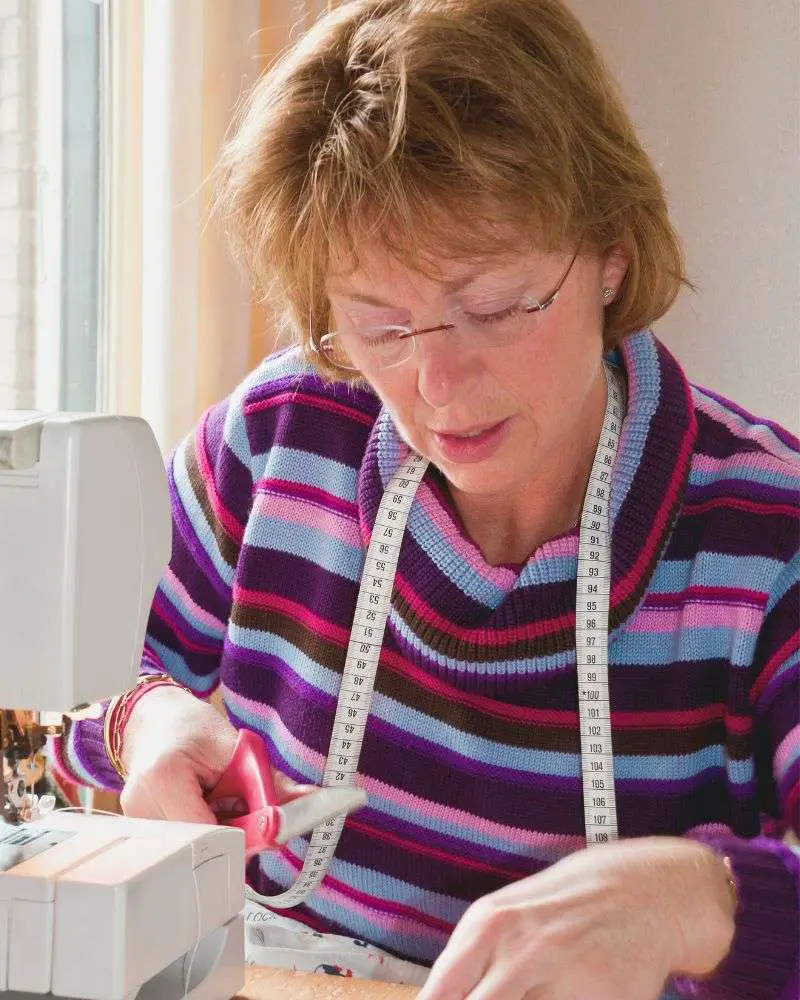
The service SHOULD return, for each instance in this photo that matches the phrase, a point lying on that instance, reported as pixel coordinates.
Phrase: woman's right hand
(175, 748)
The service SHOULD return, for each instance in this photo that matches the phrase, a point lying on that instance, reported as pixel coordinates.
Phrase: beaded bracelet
(119, 712)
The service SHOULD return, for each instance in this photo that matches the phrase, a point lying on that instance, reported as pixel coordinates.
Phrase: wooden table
(277, 984)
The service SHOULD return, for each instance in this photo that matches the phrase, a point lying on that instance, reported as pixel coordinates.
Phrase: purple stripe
(182, 524)
(177, 622)
(717, 441)
(363, 400)
(326, 594)
(434, 874)
(781, 433)
(745, 489)
(293, 425)
(734, 532)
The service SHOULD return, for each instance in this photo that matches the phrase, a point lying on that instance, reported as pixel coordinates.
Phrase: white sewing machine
(93, 906)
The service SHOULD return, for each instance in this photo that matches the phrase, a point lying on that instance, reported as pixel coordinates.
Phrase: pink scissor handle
(245, 794)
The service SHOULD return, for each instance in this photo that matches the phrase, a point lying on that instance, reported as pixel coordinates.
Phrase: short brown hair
(410, 119)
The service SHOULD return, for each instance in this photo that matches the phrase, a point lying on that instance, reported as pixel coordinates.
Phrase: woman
(450, 205)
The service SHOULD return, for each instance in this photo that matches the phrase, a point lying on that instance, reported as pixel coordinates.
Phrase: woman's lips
(468, 446)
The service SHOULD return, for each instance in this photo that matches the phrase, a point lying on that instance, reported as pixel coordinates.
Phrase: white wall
(714, 86)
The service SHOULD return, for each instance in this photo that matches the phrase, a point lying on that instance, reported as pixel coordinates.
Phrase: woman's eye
(379, 336)
(496, 315)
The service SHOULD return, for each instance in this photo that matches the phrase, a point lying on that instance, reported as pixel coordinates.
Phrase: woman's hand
(610, 923)
(175, 748)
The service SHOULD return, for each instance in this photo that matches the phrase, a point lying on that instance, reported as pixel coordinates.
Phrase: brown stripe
(470, 652)
(228, 547)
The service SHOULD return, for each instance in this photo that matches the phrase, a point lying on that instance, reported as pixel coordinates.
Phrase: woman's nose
(445, 369)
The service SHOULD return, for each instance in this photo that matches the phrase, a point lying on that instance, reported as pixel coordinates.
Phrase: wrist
(124, 713)
(709, 924)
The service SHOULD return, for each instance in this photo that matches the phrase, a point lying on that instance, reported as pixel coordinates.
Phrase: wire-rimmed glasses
(498, 324)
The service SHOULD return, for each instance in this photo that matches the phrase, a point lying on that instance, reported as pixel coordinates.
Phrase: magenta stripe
(328, 405)
(284, 487)
(223, 515)
(725, 595)
(696, 615)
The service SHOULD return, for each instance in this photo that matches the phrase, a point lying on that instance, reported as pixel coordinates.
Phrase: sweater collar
(438, 560)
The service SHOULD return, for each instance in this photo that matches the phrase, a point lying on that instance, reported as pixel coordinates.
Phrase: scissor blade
(302, 814)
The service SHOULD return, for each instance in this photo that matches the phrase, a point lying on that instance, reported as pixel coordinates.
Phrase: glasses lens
(501, 325)
(377, 347)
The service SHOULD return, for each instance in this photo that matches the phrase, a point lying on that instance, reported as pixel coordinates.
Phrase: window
(53, 67)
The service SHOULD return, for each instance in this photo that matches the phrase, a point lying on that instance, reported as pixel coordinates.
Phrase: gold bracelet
(117, 715)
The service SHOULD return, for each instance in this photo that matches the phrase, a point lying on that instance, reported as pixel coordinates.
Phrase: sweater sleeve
(764, 960)
(210, 486)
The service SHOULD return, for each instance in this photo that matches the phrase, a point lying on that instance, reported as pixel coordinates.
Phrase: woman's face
(487, 417)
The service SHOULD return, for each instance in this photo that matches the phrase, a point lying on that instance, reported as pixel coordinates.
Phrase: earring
(607, 294)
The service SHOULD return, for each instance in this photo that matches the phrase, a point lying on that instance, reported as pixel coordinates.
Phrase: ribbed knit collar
(448, 595)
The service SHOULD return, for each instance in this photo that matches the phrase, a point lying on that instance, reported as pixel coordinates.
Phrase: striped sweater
(472, 755)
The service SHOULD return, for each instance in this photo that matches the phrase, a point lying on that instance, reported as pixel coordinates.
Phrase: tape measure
(369, 623)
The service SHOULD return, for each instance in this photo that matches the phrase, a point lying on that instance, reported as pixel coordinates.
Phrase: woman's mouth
(472, 444)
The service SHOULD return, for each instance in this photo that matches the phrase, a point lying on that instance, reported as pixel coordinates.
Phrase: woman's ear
(615, 267)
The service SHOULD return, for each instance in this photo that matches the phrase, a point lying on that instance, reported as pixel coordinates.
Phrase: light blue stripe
(701, 477)
(641, 347)
(457, 570)
(741, 772)
(310, 469)
(315, 674)
(183, 610)
(785, 581)
(175, 665)
(687, 645)
(317, 547)
(519, 667)
(205, 536)
(712, 569)
(235, 429)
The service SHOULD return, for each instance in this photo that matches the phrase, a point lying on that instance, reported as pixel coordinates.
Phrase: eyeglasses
(500, 323)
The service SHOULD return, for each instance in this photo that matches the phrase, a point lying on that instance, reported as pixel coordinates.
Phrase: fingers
(168, 792)
(455, 973)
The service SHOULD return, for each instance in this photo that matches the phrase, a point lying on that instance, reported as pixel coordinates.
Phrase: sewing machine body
(111, 908)
(94, 907)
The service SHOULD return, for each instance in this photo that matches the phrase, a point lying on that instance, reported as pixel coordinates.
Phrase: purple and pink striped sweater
(472, 754)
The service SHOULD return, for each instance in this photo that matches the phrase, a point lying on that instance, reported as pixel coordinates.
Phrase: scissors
(245, 796)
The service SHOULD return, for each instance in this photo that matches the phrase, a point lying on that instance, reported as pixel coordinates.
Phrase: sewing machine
(94, 906)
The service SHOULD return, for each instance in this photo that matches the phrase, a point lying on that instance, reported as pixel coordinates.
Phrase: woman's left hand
(610, 922)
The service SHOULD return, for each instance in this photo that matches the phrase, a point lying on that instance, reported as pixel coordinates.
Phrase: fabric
(472, 754)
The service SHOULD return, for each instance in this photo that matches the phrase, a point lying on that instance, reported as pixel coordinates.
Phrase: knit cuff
(79, 755)
(764, 959)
